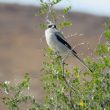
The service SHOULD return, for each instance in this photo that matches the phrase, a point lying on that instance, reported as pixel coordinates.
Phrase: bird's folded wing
(61, 39)
(61, 35)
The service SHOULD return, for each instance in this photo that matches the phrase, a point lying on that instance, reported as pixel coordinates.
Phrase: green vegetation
(66, 90)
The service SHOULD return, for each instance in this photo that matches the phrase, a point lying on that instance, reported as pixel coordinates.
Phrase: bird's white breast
(51, 39)
(53, 42)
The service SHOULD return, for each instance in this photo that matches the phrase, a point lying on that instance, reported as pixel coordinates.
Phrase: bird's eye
(55, 26)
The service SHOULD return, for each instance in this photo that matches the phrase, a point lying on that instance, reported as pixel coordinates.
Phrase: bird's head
(53, 26)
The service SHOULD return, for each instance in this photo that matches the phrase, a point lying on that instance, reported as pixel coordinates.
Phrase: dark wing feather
(74, 51)
(64, 42)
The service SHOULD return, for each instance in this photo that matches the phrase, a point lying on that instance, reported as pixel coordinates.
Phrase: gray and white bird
(58, 43)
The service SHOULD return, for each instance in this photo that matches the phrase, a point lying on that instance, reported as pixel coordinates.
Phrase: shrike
(58, 43)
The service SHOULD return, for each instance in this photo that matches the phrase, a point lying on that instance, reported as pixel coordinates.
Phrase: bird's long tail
(74, 54)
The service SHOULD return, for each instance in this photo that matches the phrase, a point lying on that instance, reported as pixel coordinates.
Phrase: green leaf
(65, 24)
(102, 49)
(55, 2)
(43, 26)
(66, 10)
(25, 82)
(107, 61)
(107, 34)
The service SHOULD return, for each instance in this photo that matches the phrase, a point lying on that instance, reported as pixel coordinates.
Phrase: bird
(57, 42)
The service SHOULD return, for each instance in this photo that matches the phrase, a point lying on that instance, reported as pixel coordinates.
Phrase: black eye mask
(50, 26)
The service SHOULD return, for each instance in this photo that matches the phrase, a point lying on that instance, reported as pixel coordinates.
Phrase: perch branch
(68, 85)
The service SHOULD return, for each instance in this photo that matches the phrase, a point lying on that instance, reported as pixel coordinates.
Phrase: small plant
(14, 96)
(66, 90)
(73, 90)
(52, 16)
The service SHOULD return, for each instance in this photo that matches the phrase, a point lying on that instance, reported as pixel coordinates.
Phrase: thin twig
(57, 95)
(57, 102)
(100, 37)
(65, 57)
(71, 101)
(49, 11)
(68, 85)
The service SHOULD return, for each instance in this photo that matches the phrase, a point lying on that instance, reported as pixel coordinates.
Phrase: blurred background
(22, 42)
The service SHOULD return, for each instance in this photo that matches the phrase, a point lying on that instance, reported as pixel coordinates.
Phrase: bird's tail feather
(82, 62)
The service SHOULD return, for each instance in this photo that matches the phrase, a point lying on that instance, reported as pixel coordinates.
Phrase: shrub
(66, 90)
